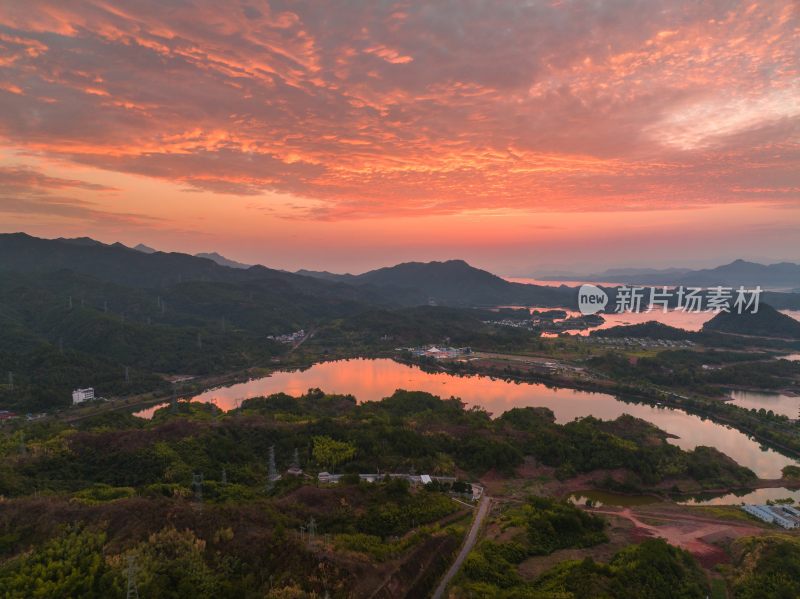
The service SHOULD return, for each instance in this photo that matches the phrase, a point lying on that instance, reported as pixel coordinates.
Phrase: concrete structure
(783, 515)
(82, 395)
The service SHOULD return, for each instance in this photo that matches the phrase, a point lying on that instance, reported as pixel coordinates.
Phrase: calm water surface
(757, 496)
(601, 498)
(787, 405)
(689, 321)
(375, 379)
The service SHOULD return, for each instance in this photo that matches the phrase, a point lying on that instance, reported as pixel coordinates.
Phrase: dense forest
(115, 486)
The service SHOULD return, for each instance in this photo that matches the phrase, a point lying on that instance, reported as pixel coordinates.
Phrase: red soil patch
(694, 534)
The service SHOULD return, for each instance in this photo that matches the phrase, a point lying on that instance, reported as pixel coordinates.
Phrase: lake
(759, 496)
(787, 405)
(601, 498)
(370, 380)
(688, 321)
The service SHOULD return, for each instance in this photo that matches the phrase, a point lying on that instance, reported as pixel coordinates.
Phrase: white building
(783, 515)
(82, 395)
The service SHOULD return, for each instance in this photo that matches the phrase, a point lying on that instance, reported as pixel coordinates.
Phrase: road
(469, 543)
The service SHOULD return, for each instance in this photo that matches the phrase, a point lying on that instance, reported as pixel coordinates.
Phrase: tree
(330, 452)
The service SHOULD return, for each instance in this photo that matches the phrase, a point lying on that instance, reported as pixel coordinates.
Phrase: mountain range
(78, 312)
(783, 276)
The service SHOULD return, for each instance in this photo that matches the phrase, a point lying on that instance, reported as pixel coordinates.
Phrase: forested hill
(767, 322)
(122, 265)
(455, 283)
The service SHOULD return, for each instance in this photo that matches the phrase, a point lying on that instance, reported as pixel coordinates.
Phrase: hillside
(79, 313)
(651, 329)
(767, 322)
(454, 283)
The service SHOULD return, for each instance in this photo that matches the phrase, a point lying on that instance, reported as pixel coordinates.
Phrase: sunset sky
(520, 136)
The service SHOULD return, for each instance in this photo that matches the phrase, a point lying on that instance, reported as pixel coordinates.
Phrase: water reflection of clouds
(372, 380)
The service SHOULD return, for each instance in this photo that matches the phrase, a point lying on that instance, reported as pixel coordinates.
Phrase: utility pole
(133, 592)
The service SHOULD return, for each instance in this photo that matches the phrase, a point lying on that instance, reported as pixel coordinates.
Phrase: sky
(522, 136)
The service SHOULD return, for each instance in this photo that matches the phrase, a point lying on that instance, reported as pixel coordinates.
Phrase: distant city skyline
(521, 137)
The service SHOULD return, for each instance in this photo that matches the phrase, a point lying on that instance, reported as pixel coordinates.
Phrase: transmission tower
(312, 530)
(224, 476)
(10, 380)
(133, 592)
(272, 470)
(295, 459)
(127, 375)
(197, 485)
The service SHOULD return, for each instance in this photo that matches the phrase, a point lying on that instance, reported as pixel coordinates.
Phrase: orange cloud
(399, 110)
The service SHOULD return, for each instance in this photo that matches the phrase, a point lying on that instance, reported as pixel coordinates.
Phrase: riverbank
(583, 380)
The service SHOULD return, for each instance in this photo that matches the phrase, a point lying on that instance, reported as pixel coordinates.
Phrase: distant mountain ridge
(449, 283)
(222, 260)
(781, 275)
(453, 283)
(215, 256)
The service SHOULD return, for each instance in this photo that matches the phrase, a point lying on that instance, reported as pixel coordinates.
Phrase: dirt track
(692, 533)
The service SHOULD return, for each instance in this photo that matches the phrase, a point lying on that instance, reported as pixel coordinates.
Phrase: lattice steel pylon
(312, 530)
(272, 470)
(197, 485)
(133, 591)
